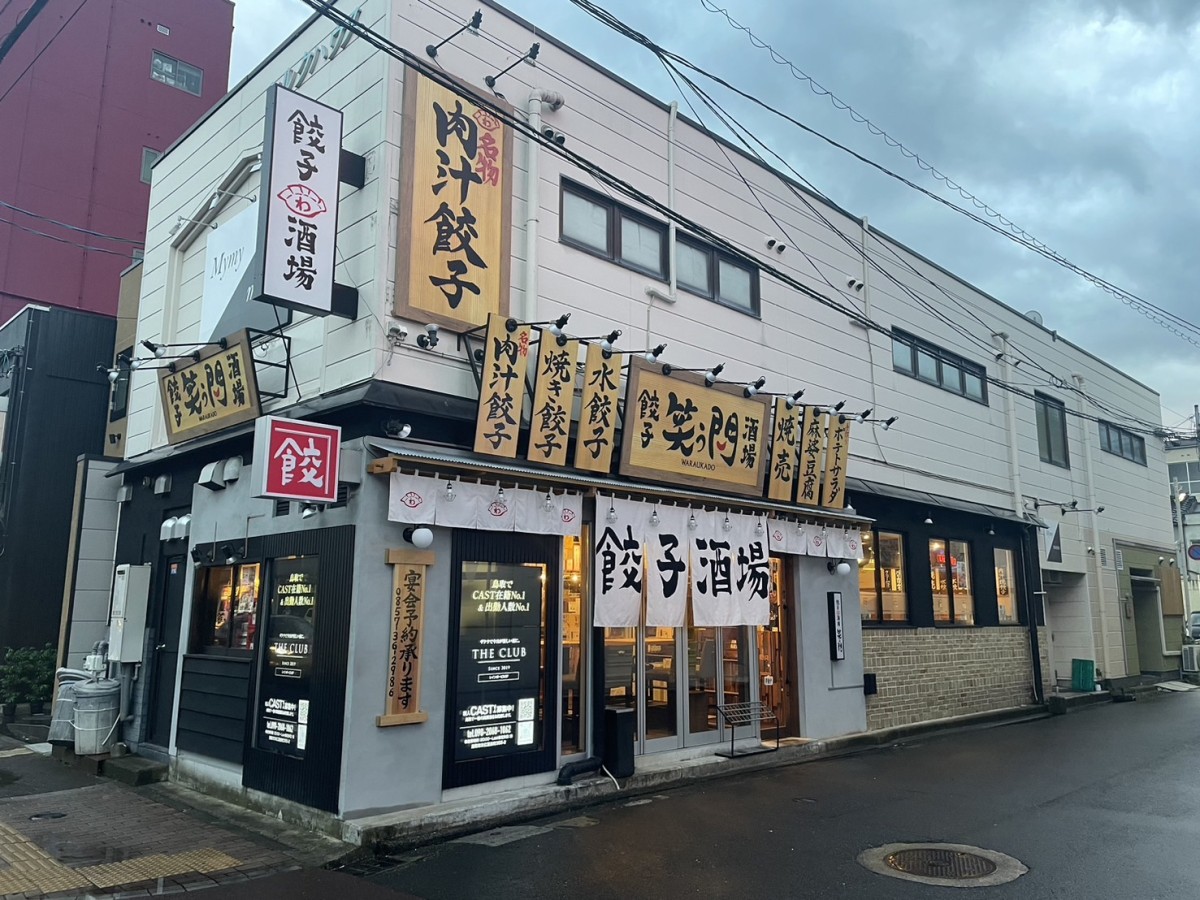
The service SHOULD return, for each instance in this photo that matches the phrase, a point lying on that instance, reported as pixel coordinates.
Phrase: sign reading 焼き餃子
(299, 210)
(786, 430)
(216, 391)
(598, 411)
(809, 445)
(550, 421)
(502, 387)
(455, 208)
(410, 568)
(837, 452)
(678, 429)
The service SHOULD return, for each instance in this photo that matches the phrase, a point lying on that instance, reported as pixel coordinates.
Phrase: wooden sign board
(410, 571)
(550, 421)
(452, 254)
(598, 412)
(218, 391)
(785, 431)
(680, 430)
(836, 455)
(810, 445)
(502, 389)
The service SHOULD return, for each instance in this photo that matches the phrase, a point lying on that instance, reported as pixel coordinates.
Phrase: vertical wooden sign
(408, 615)
(502, 388)
(598, 414)
(810, 444)
(836, 454)
(783, 451)
(550, 421)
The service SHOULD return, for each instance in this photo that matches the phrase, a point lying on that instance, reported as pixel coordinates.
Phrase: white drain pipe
(555, 101)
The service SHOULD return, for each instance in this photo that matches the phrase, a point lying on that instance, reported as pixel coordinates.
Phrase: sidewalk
(64, 833)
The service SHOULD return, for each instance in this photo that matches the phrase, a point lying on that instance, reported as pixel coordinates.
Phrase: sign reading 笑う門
(296, 460)
(216, 391)
(455, 209)
(679, 429)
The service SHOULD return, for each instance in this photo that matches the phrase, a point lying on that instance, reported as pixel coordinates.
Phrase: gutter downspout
(555, 101)
(1090, 484)
(652, 292)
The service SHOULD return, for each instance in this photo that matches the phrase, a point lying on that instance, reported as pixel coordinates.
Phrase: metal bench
(752, 712)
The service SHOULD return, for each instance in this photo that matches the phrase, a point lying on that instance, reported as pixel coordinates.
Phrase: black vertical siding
(213, 706)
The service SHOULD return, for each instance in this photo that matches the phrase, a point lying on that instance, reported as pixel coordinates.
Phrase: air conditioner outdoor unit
(1190, 661)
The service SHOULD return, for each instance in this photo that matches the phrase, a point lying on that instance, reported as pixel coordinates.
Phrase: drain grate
(939, 863)
(46, 816)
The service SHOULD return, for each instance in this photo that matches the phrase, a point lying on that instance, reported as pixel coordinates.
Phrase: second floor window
(928, 362)
(1123, 443)
(1052, 431)
(176, 73)
(602, 226)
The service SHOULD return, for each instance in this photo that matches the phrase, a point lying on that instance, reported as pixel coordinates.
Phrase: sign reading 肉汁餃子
(550, 421)
(837, 452)
(786, 430)
(598, 411)
(678, 429)
(455, 208)
(296, 460)
(502, 387)
(216, 391)
(810, 446)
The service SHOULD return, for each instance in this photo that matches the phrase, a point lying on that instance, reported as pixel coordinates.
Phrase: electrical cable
(88, 232)
(38, 55)
(63, 240)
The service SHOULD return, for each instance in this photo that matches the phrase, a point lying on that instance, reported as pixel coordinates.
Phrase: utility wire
(63, 240)
(88, 232)
(38, 56)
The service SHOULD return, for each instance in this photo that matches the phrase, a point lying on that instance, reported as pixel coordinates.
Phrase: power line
(63, 240)
(38, 56)
(88, 232)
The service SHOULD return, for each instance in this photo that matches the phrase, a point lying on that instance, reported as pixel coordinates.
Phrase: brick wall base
(936, 673)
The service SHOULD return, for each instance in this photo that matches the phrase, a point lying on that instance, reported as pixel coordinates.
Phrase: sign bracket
(352, 169)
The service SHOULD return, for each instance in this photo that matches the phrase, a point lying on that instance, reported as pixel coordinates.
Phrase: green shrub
(27, 675)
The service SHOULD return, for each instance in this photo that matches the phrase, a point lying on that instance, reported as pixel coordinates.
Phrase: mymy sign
(299, 204)
(296, 460)
(229, 274)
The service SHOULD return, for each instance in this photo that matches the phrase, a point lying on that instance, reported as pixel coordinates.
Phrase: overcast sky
(1074, 118)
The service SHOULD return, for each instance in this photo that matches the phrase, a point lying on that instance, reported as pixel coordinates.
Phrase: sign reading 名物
(497, 706)
(299, 206)
(216, 391)
(296, 460)
(285, 686)
(810, 445)
(502, 387)
(550, 421)
(786, 430)
(408, 616)
(837, 626)
(837, 451)
(598, 411)
(455, 209)
(678, 429)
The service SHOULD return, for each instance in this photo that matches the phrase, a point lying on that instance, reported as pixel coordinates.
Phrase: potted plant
(10, 686)
(41, 678)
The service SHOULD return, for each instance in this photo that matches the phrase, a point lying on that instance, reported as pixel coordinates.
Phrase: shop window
(950, 578)
(226, 609)
(575, 577)
(600, 225)
(176, 73)
(928, 362)
(1006, 586)
(881, 589)
(1052, 430)
(1122, 443)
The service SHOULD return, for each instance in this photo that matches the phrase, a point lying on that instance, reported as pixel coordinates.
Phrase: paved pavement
(1101, 803)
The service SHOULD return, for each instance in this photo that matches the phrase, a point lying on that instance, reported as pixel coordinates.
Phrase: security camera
(397, 334)
(1161, 560)
(429, 339)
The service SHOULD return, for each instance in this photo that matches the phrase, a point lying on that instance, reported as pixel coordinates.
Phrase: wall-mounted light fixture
(838, 567)
(476, 20)
(396, 429)
(531, 54)
(710, 375)
(308, 510)
(754, 387)
(429, 339)
(420, 537)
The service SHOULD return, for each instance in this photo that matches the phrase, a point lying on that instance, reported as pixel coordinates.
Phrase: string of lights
(438, 76)
(76, 228)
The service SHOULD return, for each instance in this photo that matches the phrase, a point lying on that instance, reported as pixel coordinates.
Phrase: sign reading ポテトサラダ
(837, 452)
(217, 391)
(296, 460)
(455, 209)
(678, 429)
(299, 208)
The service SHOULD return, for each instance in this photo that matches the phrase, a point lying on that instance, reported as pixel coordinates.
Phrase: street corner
(106, 839)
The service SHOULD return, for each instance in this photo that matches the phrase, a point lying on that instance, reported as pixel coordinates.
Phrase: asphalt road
(1101, 803)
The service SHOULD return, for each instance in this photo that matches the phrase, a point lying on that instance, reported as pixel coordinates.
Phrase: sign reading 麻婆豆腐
(810, 445)
(215, 391)
(296, 460)
(679, 429)
(455, 208)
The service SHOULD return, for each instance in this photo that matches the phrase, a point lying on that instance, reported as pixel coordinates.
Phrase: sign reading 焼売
(502, 387)
(299, 208)
(836, 453)
(550, 421)
(810, 444)
(678, 429)
(296, 460)
(216, 391)
(455, 209)
(783, 451)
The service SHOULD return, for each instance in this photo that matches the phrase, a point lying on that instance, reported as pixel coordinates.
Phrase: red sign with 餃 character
(296, 460)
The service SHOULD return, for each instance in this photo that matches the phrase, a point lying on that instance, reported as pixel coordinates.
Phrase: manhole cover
(940, 863)
(46, 816)
(946, 865)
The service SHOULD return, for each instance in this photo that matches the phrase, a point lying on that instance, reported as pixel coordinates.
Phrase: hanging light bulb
(727, 525)
(710, 377)
(754, 387)
(607, 344)
(863, 416)
(556, 328)
(794, 400)
(548, 503)
(612, 513)
(889, 423)
(450, 491)
(760, 529)
(653, 354)
(692, 524)
(654, 520)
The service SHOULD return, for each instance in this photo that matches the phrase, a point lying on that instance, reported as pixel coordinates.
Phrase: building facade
(488, 588)
(89, 99)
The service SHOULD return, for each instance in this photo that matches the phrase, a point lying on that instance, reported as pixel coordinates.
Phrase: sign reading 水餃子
(837, 451)
(299, 208)
(550, 421)
(782, 484)
(296, 460)
(598, 411)
(810, 445)
(678, 429)
(456, 175)
(502, 387)
(217, 391)
(410, 568)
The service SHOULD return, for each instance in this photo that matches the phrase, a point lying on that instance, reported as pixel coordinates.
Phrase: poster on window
(498, 704)
(287, 661)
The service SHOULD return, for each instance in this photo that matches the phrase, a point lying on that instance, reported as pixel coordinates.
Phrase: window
(118, 407)
(950, 577)
(1120, 442)
(1006, 586)
(930, 363)
(1052, 431)
(1186, 475)
(226, 609)
(710, 273)
(149, 158)
(881, 588)
(177, 74)
(602, 226)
